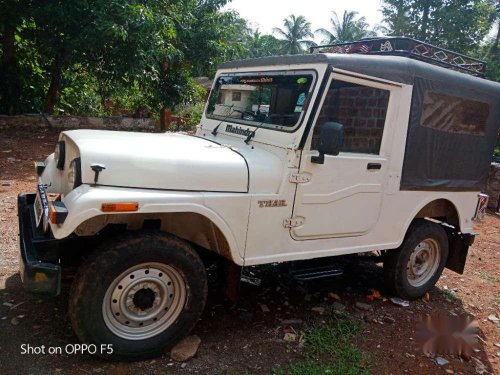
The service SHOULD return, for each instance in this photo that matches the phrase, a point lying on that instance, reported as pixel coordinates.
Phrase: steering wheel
(246, 114)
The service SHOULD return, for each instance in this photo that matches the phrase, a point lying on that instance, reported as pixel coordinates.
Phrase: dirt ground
(243, 338)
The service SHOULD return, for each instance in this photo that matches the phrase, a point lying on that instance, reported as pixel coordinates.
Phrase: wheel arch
(445, 211)
(209, 232)
(441, 209)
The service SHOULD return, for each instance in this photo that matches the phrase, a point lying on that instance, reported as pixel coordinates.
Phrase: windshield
(273, 99)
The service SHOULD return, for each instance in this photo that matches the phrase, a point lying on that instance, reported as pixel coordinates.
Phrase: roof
(204, 82)
(410, 48)
(392, 68)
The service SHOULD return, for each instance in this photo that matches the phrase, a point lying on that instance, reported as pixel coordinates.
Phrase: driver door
(344, 195)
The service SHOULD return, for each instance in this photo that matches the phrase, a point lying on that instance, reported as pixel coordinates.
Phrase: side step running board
(316, 273)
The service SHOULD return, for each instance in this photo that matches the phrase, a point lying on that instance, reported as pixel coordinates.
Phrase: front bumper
(37, 275)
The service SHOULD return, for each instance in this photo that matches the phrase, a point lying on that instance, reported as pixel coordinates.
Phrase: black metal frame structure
(408, 47)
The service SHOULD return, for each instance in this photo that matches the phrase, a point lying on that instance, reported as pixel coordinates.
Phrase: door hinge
(293, 222)
(300, 178)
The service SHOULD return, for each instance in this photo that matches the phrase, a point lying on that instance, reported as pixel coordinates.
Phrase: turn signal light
(119, 207)
(57, 212)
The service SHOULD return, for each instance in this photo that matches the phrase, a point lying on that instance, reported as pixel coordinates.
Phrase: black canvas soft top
(438, 157)
(392, 68)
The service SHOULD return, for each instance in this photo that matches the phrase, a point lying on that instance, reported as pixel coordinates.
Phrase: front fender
(85, 202)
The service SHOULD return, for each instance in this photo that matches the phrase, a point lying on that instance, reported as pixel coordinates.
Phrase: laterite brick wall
(493, 187)
(362, 111)
(79, 122)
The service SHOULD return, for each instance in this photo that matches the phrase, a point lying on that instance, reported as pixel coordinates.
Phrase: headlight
(75, 173)
(60, 154)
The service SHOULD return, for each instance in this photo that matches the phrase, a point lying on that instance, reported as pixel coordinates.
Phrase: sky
(267, 14)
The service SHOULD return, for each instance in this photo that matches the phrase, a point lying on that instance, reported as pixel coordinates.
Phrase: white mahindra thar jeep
(381, 145)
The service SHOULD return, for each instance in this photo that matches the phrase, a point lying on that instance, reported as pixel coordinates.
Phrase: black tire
(111, 260)
(396, 274)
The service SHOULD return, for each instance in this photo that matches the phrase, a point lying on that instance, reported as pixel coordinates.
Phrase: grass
(488, 277)
(450, 296)
(306, 368)
(329, 350)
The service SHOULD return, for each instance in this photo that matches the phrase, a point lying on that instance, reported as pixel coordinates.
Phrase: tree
(10, 18)
(119, 41)
(460, 25)
(260, 45)
(350, 28)
(464, 24)
(204, 36)
(80, 55)
(294, 35)
(116, 40)
(491, 54)
(494, 48)
(396, 17)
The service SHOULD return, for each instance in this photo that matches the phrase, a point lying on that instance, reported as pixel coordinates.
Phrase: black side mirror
(331, 140)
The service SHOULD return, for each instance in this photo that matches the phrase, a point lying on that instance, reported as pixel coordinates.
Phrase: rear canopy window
(454, 114)
(274, 98)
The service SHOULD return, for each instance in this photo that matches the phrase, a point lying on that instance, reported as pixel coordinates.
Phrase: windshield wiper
(214, 132)
(252, 134)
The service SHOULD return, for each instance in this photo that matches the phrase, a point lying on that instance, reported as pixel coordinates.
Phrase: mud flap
(459, 248)
(232, 282)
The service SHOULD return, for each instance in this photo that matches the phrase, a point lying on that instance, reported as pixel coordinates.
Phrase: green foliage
(205, 37)
(308, 368)
(493, 68)
(489, 277)
(349, 29)
(327, 337)
(329, 350)
(81, 55)
(451, 297)
(32, 76)
(97, 56)
(295, 34)
(79, 95)
(192, 113)
(256, 44)
(459, 25)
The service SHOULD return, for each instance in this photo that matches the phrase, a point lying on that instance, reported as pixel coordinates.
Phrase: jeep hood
(169, 161)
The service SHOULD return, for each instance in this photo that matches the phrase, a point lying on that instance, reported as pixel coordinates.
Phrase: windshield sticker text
(257, 80)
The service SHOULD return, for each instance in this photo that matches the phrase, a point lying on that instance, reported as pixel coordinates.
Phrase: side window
(221, 98)
(453, 114)
(236, 96)
(361, 109)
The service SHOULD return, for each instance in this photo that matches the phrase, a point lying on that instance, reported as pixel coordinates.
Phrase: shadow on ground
(242, 338)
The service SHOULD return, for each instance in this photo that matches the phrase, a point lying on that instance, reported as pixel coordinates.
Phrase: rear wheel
(416, 266)
(141, 294)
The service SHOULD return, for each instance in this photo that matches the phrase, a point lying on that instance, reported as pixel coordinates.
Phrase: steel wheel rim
(423, 263)
(144, 301)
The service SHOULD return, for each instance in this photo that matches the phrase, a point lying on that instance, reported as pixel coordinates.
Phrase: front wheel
(413, 269)
(141, 294)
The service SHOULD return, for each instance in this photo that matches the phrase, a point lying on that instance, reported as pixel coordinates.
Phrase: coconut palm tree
(350, 28)
(294, 34)
(259, 45)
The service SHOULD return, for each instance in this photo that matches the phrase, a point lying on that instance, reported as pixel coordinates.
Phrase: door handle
(373, 166)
